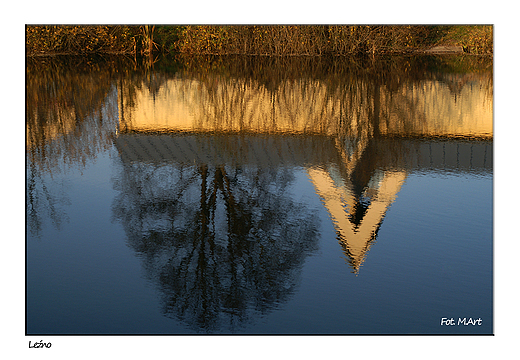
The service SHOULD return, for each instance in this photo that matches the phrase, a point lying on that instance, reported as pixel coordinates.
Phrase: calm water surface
(259, 196)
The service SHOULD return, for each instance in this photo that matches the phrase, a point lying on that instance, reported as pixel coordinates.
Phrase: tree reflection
(225, 244)
(71, 115)
(43, 202)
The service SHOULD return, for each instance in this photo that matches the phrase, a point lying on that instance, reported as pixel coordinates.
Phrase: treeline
(301, 40)
(271, 40)
(86, 39)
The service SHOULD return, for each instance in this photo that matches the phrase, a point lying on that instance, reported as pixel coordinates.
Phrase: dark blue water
(182, 200)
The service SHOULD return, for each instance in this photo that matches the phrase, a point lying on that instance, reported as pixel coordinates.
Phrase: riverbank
(267, 40)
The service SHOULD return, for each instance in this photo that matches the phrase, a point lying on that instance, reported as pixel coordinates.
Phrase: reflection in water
(357, 218)
(208, 159)
(71, 115)
(357, 200)
(223, 242)
(368, 129)
(338, 100)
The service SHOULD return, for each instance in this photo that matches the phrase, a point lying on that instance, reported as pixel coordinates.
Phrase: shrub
(79, 39)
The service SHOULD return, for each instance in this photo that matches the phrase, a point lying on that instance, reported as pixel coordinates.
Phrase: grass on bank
(474, 39)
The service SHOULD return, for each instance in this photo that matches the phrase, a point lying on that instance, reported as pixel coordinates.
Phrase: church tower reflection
(357, 217)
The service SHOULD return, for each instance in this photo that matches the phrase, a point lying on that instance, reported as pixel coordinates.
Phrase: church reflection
(356, 140)
(207, 166)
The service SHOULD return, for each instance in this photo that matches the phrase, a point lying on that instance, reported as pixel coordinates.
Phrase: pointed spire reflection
(356, 231)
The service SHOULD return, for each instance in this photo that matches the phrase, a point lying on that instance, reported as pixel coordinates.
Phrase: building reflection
(207, 166)
(357, 140)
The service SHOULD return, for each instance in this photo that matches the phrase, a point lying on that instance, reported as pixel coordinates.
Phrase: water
(260, 196)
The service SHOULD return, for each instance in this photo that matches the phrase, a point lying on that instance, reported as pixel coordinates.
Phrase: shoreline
(435, 50)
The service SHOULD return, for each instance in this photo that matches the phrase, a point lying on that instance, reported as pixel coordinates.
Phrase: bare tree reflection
(43, 202)
(225, 244)
(71, 115)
